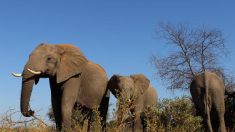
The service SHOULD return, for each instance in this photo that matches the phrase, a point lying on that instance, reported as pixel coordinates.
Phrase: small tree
(195, 50)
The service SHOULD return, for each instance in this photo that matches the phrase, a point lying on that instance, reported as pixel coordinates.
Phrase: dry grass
(9, 124)
(171, 115)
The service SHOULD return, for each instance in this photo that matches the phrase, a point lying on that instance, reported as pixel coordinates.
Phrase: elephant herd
(76, 81)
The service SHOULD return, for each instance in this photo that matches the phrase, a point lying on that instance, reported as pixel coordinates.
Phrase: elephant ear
(140, 82)
(113, 85)
(71, 62)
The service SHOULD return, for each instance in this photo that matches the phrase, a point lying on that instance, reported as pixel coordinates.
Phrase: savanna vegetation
(172, 115)
(195, 50)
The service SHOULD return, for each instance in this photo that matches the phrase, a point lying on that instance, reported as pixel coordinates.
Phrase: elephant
(74, 80)
(207, 90)
(137, 92)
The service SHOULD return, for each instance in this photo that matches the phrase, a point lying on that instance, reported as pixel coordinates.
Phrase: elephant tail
(206, 92)
(206, 98)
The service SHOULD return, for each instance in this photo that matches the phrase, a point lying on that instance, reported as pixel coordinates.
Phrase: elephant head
(46, 61)
(128, 88)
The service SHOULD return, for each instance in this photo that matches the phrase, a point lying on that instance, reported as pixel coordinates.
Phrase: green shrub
(170, 115)
(177, 115)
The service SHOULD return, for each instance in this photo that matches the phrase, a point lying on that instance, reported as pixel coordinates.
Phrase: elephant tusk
(34, 72)
(16, 74)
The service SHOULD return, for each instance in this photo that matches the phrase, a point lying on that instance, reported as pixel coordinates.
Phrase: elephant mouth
(37, 75)
(42, 74)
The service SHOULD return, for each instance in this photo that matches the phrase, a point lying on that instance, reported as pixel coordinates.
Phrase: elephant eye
(49, 58)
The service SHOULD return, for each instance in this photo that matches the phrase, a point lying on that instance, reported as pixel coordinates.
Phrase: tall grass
(171, 115)
(9, 124)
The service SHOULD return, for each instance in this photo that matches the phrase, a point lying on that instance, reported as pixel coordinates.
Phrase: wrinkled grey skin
(74, 80)
(207, 91)
(137, 90)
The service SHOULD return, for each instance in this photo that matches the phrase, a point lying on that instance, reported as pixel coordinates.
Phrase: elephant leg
(68, 100)
(56, 103)
(143, 118)
(66, 112)
(220, 111)
(138, 126)
(103, 109)
(208, 118)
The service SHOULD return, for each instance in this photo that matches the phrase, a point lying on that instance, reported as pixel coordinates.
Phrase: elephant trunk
(27, 85)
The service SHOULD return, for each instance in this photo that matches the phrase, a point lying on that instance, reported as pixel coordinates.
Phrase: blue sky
(119, 35)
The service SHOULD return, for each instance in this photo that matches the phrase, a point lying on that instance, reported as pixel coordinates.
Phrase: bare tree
(228, 80)
(195, 50)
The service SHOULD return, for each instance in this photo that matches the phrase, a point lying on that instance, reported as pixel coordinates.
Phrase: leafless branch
(196, 50)
(7, 119)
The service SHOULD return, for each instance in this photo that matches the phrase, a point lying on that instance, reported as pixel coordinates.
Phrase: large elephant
(207, 91)
(136, 91)
(74, 80)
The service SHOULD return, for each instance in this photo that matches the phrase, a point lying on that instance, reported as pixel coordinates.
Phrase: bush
(9, 123)
(171, 115)
(230, 112)
(177, 115)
